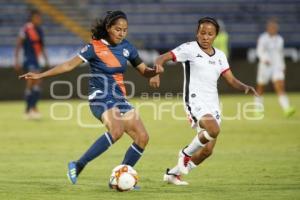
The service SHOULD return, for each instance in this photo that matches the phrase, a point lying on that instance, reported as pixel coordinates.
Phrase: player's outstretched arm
(162, 59)
(159, 62)
(147, 71)
(235, 83)
(59, 69)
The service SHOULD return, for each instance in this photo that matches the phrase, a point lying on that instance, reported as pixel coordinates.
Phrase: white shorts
(197, 109)
(265, 73)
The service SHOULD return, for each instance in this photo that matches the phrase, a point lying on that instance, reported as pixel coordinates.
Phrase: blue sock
(100, 146)
(132, 155)
(28, 99)
(35, 95)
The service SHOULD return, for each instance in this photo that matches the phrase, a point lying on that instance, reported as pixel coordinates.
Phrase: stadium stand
(160, 24)
(156, 24)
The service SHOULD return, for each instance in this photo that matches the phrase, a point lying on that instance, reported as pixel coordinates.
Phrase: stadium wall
(70, 85)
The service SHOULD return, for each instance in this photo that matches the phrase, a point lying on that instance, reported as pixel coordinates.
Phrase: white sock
(175, 170)
(191, 165)
(194, 146)
(284, 101)
(259, 103)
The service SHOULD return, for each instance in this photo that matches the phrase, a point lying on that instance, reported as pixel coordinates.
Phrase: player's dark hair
(211, 20)
(99, 28)
(32, 13)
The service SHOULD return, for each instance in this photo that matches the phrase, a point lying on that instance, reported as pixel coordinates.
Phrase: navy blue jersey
(108, 64)
(33, 42)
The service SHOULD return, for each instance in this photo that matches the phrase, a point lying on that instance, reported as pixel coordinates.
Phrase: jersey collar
(205, 52)
(105, 42)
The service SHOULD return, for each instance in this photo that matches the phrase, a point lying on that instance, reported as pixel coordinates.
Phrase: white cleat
(35, 115)
(32, 115)
(173, 179)
(183, 161)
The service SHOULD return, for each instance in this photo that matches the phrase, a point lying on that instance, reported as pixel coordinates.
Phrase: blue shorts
(31, 66)
(100, 103)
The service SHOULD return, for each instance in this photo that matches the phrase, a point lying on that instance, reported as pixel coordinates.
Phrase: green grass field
(252, 160)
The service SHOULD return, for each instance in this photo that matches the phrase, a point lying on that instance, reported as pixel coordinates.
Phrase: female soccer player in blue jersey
(107, 54)
(31, 40)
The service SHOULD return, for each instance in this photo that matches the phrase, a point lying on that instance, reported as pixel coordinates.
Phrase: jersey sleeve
(134, 57)
(224, 64)
(261, 50)
(86, 53)
(181, 53)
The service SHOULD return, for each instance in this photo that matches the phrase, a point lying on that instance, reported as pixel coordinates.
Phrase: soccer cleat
(173, 179)
(35, 115)
(27, 116)
(136, 187)
(289, 111)
(32, 115)
(183, 160)
(258, 114)
(72, 174)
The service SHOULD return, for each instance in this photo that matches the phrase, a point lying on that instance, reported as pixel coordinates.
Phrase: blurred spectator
(222, 40)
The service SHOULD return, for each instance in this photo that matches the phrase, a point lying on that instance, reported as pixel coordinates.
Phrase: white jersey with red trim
(201, 72)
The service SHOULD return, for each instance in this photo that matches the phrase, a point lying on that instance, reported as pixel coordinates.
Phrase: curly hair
(100, 26)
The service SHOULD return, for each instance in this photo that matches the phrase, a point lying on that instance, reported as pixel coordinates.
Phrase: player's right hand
(250, 89)
(30, 75)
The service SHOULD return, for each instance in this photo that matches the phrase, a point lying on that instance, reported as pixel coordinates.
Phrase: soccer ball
(123, 178)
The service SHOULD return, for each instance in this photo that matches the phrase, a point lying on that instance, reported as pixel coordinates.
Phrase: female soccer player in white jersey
(272, 66)
(203, 65)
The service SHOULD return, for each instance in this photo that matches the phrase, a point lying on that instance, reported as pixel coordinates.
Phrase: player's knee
(214, 131)
(116, 132)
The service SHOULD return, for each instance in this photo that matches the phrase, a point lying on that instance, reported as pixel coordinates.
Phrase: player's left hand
(250, 89)
(154, 81)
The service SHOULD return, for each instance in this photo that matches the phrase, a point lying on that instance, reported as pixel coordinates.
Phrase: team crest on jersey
(125, 53)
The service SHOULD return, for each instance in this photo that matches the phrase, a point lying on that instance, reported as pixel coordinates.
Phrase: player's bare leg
(209, 133)
(112, 119)
(279, 87)
(259, 101)
(202, 154)
(196, 152)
